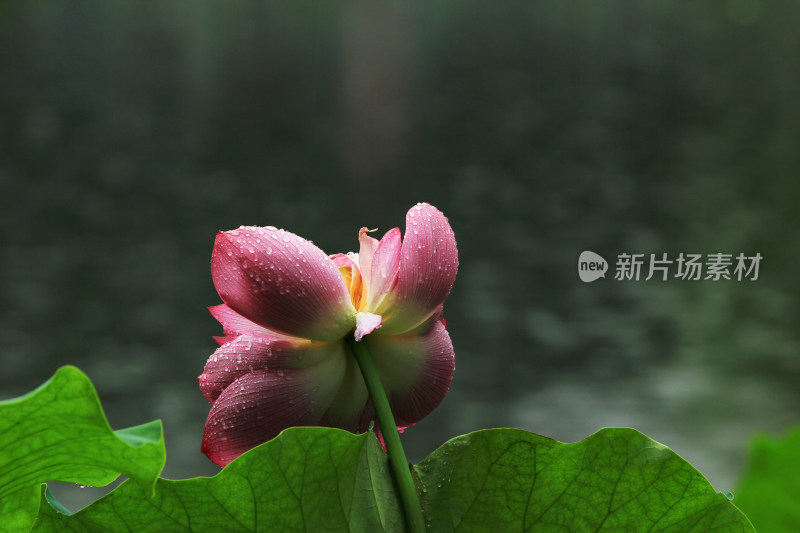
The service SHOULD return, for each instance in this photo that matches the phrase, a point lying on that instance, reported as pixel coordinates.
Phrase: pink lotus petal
(282, 282)
(427, 325)
(246, 353)
(348, 266)
(231, 361)
(428, 267)
(415, 370)
(384, 270)
(260, 404)
(224, 339)
(368, 245)
(234, 324)
(350, 409)
(345, 260)
(366, 323)
(238, 357)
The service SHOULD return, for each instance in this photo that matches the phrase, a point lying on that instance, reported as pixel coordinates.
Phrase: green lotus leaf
(305, 479)
(59, 432)
(769, 491)
(323, 479)
(615, 480)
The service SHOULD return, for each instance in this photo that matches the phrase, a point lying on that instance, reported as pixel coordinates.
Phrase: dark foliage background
(131, 132)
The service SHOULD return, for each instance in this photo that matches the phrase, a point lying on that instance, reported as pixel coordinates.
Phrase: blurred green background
(130, 133)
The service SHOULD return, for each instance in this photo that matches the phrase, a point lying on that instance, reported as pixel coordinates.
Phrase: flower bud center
(355, 286)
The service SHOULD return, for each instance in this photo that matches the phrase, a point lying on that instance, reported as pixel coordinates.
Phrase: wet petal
(415, 370)
(231, 361)
(234, 324)
(282, 282)
(348, 260)
(429, 322)
(247, 353)
(260, 404)
(428, 267)
(226, 338)
(384, 270)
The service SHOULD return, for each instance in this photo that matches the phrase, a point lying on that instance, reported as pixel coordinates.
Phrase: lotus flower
(288, 311)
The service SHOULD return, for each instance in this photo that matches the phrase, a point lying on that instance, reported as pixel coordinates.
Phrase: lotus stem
(391, 437)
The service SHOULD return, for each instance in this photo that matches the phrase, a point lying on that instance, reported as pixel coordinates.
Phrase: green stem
(391, 437)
